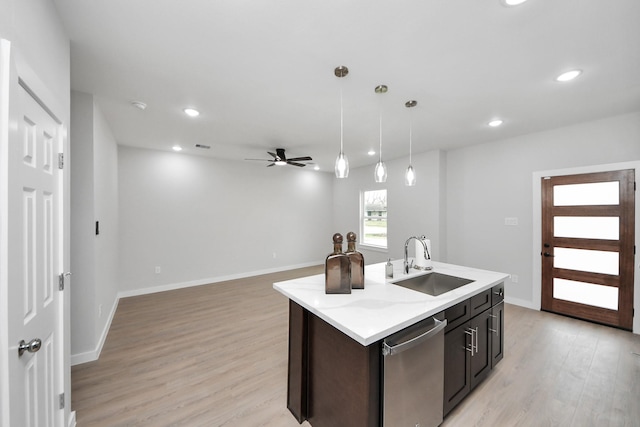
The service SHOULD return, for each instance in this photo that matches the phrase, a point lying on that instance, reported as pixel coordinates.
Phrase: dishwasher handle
(438, 326)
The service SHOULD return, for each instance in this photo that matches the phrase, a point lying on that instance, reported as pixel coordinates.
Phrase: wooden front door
(588, 246)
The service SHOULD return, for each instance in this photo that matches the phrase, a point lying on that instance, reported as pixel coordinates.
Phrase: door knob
(547, 254)
(32, 346)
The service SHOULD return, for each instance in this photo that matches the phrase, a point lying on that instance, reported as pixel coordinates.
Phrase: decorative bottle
(357, 262)
(337, 269)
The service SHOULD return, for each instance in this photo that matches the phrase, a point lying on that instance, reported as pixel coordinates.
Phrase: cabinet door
(481, 357)
(456, 366)
(497, 337)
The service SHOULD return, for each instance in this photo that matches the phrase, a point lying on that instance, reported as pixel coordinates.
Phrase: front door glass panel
(593, 193)
(586, 293)
(586, 260)
(587, 227)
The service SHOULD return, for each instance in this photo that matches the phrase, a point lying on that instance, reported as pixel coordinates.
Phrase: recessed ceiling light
(568, 76)
(371, 152)
(495, 123)
(316, 168)
(177, 148)
(513, 2)
(191, 112)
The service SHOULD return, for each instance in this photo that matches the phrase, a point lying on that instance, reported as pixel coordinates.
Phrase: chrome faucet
(406, 251)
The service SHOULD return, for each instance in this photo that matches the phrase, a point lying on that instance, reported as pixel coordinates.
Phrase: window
(374, 218)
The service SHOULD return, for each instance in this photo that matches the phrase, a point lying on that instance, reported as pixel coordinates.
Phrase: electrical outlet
(514, 278)
(158, 269)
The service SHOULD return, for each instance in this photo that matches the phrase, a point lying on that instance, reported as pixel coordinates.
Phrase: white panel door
(33, 195)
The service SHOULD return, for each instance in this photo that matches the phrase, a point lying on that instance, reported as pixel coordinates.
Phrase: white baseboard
(90, 356)
(521, 303)
(207, 281)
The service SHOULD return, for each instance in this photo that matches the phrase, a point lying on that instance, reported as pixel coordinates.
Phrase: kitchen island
(335, 341)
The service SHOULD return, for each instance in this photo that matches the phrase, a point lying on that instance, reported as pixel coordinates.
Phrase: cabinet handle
(500, 292)
(476, 346)
(495, 331)
(469, 331)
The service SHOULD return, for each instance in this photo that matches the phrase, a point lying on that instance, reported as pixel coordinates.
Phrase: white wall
(40, 40)
(202, 220)
(94, 197)
(82, 213)
(488, 182)
(411, 210)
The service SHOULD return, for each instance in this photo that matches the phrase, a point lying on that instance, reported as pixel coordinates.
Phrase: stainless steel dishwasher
(413, 366)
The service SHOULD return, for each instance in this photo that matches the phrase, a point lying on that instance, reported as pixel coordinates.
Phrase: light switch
(511, 221)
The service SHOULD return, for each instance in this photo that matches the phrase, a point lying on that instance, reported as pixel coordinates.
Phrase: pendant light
(342, 163)
(410, 175)
(380, 172)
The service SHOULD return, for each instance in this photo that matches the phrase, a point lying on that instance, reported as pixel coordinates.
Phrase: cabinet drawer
(497, 294)
(480, 302)
(457, 315)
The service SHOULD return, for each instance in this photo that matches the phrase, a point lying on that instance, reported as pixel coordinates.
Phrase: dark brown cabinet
(473, 343)
(497, 339)
(333, 380)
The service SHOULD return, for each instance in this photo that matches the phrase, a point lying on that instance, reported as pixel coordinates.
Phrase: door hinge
(60, 160)
(61, 401)
(61, 277)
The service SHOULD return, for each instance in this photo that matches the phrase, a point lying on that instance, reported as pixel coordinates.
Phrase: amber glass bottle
(337, 269)
(357, 262)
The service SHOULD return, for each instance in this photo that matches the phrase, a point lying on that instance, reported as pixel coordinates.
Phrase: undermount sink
(432, 283)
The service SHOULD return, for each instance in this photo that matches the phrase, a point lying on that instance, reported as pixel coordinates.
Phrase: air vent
(204, 147)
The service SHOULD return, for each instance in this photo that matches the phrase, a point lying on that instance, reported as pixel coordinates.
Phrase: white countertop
(381, 309)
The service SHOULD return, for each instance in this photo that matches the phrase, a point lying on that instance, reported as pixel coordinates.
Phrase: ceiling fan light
(380, 172)
(410, 177)
(280, 163)
(342, 166)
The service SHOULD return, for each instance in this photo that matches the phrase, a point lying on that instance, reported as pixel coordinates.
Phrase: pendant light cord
(380, 151)
(410, 134)
(341, 120)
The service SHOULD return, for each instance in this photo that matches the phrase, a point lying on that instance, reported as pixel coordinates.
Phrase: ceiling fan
(280, 159)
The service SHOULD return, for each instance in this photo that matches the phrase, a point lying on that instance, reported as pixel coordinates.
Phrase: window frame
(364, 216)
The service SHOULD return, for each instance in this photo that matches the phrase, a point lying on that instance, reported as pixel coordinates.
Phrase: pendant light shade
(342, 163)
(410, 174)
(342, 166)
(380, 172)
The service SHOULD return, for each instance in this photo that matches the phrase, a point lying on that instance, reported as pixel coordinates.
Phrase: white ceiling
(262, 72)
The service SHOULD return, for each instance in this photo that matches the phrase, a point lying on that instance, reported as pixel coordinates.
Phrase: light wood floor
(216, 355)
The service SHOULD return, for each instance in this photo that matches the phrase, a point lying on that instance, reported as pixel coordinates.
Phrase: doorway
(587, 251)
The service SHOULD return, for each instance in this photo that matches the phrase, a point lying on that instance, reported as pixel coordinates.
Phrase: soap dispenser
(357, 262)
(337, 269)
(388, 269)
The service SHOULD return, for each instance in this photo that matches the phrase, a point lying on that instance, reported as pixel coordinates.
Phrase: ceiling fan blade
(270, 165)
(300, 159)
(296, 164)
(272, 154)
